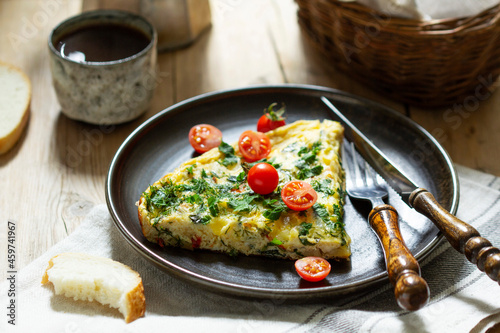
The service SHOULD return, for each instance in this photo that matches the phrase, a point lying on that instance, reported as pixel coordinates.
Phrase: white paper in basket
(429, 9)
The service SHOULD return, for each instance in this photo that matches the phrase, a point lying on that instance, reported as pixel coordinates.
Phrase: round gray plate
(161, 143)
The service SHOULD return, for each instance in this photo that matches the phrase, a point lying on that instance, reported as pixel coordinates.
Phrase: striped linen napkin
(463, 299)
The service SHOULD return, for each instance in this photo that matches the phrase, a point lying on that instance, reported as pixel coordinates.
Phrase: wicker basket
(429, 64)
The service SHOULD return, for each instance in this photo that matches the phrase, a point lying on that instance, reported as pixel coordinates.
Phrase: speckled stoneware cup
(110, 92)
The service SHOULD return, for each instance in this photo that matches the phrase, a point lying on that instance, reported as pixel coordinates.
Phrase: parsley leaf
(303, 232)
(228, 150)
(193, 199)
(242, 176)
(323, 186)
(322, 212)
(242, 204)
(213, 206)
(309, 172)
(276, 208)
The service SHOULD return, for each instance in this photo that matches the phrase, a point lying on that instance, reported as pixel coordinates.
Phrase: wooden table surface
(56, 172)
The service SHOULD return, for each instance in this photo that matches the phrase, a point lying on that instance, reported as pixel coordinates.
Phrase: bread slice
(85, 277)
(15, 96)
(206, 202)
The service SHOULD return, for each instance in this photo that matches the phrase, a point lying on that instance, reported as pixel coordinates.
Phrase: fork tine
(360, 179)
(375, 178)
(351, 165)
(370, 177)
(347, 163)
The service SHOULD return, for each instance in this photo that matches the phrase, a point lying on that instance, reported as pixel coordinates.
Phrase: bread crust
(137, 302)
(8, 141)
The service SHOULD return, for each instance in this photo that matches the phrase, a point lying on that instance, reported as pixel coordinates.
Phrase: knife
(463, 237)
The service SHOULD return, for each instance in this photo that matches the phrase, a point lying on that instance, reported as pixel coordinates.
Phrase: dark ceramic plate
(161, 143)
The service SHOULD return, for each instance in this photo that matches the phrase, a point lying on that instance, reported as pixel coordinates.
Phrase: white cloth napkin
(429, 9)
(463, 299)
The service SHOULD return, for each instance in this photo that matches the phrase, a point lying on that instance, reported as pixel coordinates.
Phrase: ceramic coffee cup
(97, 81)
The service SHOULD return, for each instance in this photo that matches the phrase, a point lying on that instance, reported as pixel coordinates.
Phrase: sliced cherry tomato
(263, 178)
(313, 268)
(298, 195)
(271, 119)
(254, 146)
(204, 137)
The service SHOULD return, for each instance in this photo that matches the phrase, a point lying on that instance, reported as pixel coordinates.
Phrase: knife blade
(462, 236)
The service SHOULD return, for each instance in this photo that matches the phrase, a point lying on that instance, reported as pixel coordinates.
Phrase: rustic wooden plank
(235, 52)
(469, 131)
(32, 178)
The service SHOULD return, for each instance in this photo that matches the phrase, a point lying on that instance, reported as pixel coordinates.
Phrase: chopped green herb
(213, 206)
(228, 150)
(193, 199)
(242, 204)
(276, 241)
(304, 228)
(322, 212)
(303, 232)
(276, 208)
(309, 172)
(308, 156)
(338, 211)
(242, 176)
(200, 220)
(247, 166)
(323, 186)
(190, 169)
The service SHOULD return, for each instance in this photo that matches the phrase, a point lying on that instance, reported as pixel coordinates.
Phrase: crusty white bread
(15, 97)
(85, 277)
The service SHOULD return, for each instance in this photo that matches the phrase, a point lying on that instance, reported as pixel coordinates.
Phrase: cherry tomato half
(313, 268)
(254, 146)
(204, 137)
(271, 119)
(298, 195)
(263, 178)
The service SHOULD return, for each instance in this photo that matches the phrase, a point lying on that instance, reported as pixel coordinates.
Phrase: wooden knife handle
(463, 237)
(410, 289)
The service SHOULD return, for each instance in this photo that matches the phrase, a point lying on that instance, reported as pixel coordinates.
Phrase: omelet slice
(206, 202)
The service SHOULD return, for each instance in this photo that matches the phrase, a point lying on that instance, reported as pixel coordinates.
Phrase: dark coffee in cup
(101, 43)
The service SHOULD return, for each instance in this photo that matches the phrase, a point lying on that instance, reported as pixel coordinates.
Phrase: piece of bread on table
(85, 277)
(15, 97)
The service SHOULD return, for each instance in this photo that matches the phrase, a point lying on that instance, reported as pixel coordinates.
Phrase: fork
(410, 289)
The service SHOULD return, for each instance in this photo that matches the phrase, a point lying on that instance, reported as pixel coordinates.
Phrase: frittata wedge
(206, 202)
